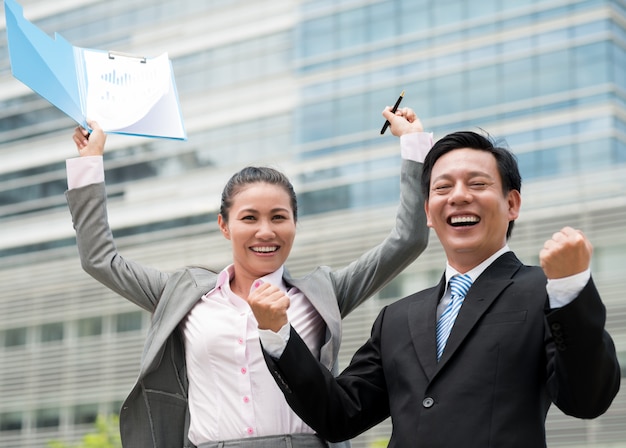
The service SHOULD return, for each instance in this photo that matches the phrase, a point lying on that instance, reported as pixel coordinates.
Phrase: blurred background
(298, 85)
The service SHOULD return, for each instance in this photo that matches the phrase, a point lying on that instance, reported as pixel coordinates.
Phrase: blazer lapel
(484, 291)
(422, 318)
(178, 298)
(323, 298)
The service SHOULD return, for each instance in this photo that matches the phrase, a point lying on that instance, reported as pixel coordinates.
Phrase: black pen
(393, 109)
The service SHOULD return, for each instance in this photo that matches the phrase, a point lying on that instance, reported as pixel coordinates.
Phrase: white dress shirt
(231, 392)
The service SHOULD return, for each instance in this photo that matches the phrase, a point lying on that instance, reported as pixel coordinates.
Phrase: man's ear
(515, 204)
(223, 225)
(428, 222)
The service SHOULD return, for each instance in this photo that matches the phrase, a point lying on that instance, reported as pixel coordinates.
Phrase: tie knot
(460, 284)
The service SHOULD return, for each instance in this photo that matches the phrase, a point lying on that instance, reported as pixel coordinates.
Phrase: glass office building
(298, 85)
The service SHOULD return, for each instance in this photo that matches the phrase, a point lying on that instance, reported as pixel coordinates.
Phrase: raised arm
(408, 238)
(584, 373)
(86, 198)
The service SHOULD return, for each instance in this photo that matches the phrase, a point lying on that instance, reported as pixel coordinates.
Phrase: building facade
(298, 85)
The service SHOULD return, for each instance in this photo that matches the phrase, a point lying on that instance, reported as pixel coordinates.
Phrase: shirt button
(240, 341)
(246, 399)
(250, 431)
(244, 371)
(428, 402)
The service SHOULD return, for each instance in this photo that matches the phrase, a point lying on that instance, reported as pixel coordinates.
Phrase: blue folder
(60, 73)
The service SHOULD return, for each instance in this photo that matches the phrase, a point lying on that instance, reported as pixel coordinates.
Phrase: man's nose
(460, 194)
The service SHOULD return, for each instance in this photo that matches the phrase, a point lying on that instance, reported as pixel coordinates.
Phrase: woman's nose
(265, 230)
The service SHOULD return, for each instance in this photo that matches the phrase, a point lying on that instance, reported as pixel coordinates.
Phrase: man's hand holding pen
(402, 121)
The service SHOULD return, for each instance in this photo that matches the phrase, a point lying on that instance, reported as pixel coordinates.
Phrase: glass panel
(10, 421)
(553, 74)
(448, 94)
(47, 418)
(482, 89)
(317, 121)
(14, 337)
(350, 115)
(596, 153)
(382, 21)
(317, 37)
(591, 62)
(52, 332)
(128, 321)
(446, 12)
(517, 80)
(91, 326)
(352, 28)
(85, 414)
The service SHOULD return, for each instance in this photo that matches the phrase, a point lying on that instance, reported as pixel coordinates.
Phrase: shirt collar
(475, 272)
(275, 278)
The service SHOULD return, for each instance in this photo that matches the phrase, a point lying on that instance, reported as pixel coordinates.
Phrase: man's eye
(441, 188)
(248, 218)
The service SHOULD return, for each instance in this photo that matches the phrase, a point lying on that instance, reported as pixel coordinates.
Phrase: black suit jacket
(507, 359)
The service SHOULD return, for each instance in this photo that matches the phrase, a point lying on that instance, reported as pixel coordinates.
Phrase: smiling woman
(258, 215)
(203, 379)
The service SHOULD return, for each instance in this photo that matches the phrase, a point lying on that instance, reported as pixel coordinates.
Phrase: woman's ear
(223, 225)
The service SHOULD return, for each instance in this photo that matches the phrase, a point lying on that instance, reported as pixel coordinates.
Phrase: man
(524, 337)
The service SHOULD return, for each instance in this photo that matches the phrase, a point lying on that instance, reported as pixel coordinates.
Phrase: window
(10, 421)
(47, 418)
(51, 332)
(85, 414)
(15, 337)
(128, 322)
(91, 326)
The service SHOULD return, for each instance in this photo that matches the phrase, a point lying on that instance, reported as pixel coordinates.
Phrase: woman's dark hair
(505, 160)
(251, 175)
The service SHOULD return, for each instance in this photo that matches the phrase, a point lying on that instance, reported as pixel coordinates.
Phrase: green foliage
(106, 435)
(379, 443)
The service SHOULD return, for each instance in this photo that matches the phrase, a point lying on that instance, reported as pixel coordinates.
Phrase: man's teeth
(464, 220)
(265, 249)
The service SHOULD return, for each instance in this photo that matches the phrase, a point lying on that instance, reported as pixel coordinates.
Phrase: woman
(203, 380)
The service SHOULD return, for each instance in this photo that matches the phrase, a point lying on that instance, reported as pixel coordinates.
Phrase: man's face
(467, 208)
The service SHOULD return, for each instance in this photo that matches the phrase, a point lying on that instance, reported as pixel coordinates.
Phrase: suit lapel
(422, 317)
(484, 291)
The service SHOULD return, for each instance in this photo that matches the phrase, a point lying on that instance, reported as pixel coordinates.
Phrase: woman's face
(261, 228)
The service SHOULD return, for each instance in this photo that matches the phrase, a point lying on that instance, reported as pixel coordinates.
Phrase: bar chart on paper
(121, 90)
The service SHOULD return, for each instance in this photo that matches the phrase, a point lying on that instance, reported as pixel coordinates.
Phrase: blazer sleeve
(98, 253)
(337, 408)
(583, 370)
(407, 240)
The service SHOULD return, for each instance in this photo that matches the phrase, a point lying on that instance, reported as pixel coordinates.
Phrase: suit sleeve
(583, 370)
(98, 252)
(337, 408)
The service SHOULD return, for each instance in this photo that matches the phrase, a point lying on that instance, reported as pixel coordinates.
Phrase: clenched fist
(567, 253)
(269, 305)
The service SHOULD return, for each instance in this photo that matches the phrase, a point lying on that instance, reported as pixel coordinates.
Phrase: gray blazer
(155, 413)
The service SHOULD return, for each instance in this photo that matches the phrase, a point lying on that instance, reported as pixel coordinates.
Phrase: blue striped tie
(459, 285)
